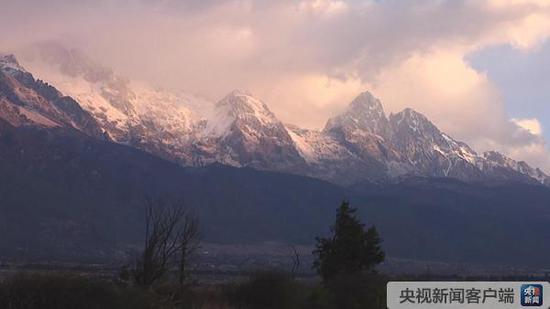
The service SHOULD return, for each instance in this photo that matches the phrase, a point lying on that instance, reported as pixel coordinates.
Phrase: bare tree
(171, 236)
(295, 261)
(188, 244)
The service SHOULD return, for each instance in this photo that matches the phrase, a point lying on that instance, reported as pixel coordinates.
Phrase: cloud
(534, 153)
(324, 7)
(532, 125)
(307, 58)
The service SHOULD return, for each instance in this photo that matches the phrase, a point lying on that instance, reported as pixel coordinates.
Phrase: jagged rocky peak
(239, 108)
(243, 106)
(410, 117)
(497, 157)
(8, 62)
(520, 166)
(8, 59)
(413, 130)
(247, 133)
(27, 101)
(364, 113)
(243, 102)
(366, 104)
(411, 121)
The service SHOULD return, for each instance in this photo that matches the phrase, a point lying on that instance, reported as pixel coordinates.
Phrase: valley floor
(222, 263)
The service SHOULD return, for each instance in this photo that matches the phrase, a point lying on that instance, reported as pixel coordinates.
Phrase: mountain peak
(366, 102)
(240, 102)
(240, 106)
(244, 101)
(9, 62)
(240, 93)
(495, 156)
(522, 167)
(365, 112)
(412, 119)
(409, 113)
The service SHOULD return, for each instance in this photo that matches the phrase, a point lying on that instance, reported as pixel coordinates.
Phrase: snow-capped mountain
(364, 114)
(360, 144)
(425, 150)
(242, 131)
(25, 101)
(130, 112)
(500, 166)
(407, 143)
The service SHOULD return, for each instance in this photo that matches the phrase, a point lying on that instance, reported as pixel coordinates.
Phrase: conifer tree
(351, 249)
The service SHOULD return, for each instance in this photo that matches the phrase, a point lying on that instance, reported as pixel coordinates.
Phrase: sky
(523, 78)
(476, 68)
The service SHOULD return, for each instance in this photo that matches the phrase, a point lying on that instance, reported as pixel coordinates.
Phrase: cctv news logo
(531, 295)
(467, 295)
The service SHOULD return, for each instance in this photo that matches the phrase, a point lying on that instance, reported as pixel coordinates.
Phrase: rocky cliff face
(25, 101)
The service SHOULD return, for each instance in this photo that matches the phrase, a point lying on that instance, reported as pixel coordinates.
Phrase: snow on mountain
(240, 107)
(9, 64)
(131, 112)
(364, 130)
(327, 158)
(405, 144)
(360, 144)
(315, 146)
(309, 143)
(497, 162)
(238, 130)
(246, 133)
(364, 114)
(26, 101)
(428, 150)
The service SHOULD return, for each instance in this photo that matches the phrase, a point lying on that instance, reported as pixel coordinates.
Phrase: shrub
(63, 291)
(265, 290)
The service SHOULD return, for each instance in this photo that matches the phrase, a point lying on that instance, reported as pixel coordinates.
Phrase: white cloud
(534, 153)
(532, 125)
(325, 7)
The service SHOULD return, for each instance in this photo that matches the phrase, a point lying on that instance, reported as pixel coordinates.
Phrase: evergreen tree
(351, 250)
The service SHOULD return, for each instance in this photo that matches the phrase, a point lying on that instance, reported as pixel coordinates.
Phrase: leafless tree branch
(171, 237)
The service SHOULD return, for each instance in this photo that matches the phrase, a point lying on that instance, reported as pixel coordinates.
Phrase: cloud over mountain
(309, 58)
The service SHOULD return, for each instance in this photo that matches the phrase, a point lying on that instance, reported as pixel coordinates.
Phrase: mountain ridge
(360, 144)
